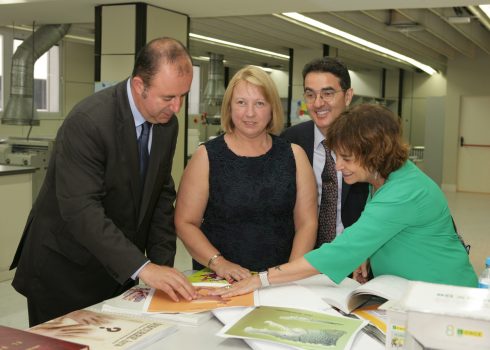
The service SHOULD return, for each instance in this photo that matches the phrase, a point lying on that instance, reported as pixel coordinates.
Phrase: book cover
(396, 324)
(13, 338)
(299, 328)
(206, 275)
(103, 331)
(132, 302)
(161, 302)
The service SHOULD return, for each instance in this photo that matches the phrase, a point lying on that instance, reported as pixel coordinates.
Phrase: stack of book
(147, 302)
(86, 329)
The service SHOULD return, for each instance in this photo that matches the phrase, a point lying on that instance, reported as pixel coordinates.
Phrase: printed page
(298, 328)
(336, 295)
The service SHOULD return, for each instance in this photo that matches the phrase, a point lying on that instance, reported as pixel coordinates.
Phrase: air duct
(19, 109)
(215, 89)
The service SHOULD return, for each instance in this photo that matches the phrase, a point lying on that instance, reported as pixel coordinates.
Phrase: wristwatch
(264, 278)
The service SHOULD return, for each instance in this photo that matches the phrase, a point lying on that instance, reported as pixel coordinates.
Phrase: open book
(349, 294)
(102, 331)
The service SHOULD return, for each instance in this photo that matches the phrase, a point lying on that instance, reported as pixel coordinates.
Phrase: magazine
(300, 328)
(103, 331)
(13, 338)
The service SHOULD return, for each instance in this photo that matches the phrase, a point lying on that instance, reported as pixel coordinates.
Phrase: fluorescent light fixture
(200, 58)
(482, 12)
(485, 9)
(220, 42)
(204, 58)
(350, 39)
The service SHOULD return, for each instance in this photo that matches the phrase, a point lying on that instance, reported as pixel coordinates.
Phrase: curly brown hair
(372, 135)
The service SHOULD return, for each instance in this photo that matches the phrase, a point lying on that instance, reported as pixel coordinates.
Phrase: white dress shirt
(318, 164)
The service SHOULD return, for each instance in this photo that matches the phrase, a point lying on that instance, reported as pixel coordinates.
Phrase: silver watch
(264, 278)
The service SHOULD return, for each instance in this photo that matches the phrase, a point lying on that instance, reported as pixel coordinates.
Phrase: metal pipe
(19, 109)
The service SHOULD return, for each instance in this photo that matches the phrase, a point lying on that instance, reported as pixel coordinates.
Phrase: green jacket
(405, 230)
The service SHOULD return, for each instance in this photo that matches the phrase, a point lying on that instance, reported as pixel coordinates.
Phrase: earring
(376, 176)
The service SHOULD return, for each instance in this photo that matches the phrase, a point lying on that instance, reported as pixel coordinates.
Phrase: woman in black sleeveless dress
(247, 199)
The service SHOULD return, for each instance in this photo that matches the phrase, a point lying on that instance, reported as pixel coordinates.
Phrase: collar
(138, 117)
(318, 137)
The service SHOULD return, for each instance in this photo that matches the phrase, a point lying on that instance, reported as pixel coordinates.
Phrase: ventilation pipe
(215, 89)
(20, 109)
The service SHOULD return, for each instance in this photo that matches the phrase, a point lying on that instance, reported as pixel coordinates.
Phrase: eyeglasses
(326, 95)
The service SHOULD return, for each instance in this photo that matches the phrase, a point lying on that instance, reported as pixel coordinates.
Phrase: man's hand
(169, 280)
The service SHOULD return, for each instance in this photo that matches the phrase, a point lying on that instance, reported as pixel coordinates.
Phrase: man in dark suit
(99, 224)
(327, 94)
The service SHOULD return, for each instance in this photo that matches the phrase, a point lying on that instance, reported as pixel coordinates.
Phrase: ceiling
(430, 31)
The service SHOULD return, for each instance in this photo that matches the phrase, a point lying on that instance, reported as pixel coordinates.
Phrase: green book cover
(206, 276)
(302, 329)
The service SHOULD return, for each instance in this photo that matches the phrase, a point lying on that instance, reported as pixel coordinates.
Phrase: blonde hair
(258, 77)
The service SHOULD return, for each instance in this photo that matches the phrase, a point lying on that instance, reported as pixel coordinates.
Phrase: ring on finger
(228, 286)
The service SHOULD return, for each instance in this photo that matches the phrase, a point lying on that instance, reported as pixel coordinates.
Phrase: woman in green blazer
(406, 228)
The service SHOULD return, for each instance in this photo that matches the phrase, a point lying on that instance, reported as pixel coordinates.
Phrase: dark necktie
(143, 149)
(327, 216)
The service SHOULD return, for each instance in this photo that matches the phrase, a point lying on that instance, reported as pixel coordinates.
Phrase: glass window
(46, 79)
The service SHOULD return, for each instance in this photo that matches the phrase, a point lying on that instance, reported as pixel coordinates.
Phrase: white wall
(366, 82)
(417, 87)
(281, 79)
(465, 77)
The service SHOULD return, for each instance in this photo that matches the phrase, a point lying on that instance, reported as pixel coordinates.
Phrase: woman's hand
(245, 286)
(361, 274)
(230, 271)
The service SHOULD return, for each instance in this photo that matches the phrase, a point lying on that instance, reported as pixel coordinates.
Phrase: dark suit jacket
(92, 224)
(353, 196)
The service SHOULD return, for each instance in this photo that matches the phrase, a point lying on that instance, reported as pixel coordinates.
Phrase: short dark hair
(329, 65)
(154, 53)
(372, 135)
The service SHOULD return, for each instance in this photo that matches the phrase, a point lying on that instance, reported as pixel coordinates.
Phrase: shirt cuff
(134, 276)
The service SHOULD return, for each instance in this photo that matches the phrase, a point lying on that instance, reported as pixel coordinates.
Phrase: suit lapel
(127, 143)
(310, 141)
(345, 192)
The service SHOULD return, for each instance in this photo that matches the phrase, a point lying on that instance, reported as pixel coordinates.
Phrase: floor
(471, 213)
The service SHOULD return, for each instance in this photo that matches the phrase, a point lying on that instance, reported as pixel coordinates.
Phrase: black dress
(249, 214)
